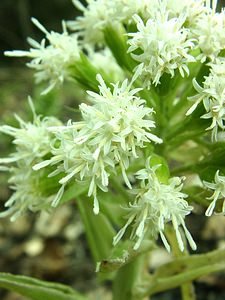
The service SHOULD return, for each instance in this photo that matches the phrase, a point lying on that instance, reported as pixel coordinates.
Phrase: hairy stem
(182, 270)
(187, 288)
(126, 279)
(163, 284)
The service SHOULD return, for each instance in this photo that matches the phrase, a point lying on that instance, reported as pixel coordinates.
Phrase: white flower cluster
(212, 94)
(157, 204)
(163, 46)
(112, 130)
(190, 9)
(168, 30)
(27, 191)
(100, 13)
(33, 142)
(219, 193)
(209, 31)
(51, 62)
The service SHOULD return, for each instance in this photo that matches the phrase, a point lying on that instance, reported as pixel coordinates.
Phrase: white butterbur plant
(192, 9)
(142, 154)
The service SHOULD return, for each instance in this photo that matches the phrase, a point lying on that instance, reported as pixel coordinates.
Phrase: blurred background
(47, 246)
(15, 24)
(53, 247)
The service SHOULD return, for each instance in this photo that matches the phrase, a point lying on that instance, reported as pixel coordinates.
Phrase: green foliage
(37, 289)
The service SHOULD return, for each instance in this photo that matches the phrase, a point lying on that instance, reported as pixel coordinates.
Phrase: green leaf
(73, 192)
(116, 40)
(38, 289)
(163, 172)
(212, 162)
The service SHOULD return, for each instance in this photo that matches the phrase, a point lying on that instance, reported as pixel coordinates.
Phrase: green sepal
(163, 171)
(85, 74)
(222, 53)
(74, 191)
(208, 173)
(38, 289)
(167, 83)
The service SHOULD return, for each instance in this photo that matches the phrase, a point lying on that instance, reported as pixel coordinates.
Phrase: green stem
(190, 263)
(180, 128)
(182, 270)
(163, 284)
(187, 288)
(187, 291)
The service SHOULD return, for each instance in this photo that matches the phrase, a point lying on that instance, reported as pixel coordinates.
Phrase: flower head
(209, 31)
(190, 9)
(51, 61)
(155, 205)
(112, 129)
(32, 190)
(98, 14)
(32, 139)
(164, 46)
(212, 94)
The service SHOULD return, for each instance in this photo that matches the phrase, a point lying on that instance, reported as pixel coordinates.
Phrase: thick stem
(181, 271)
(126, 278)
(187, 291)
(187, 288)
(163, 284)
